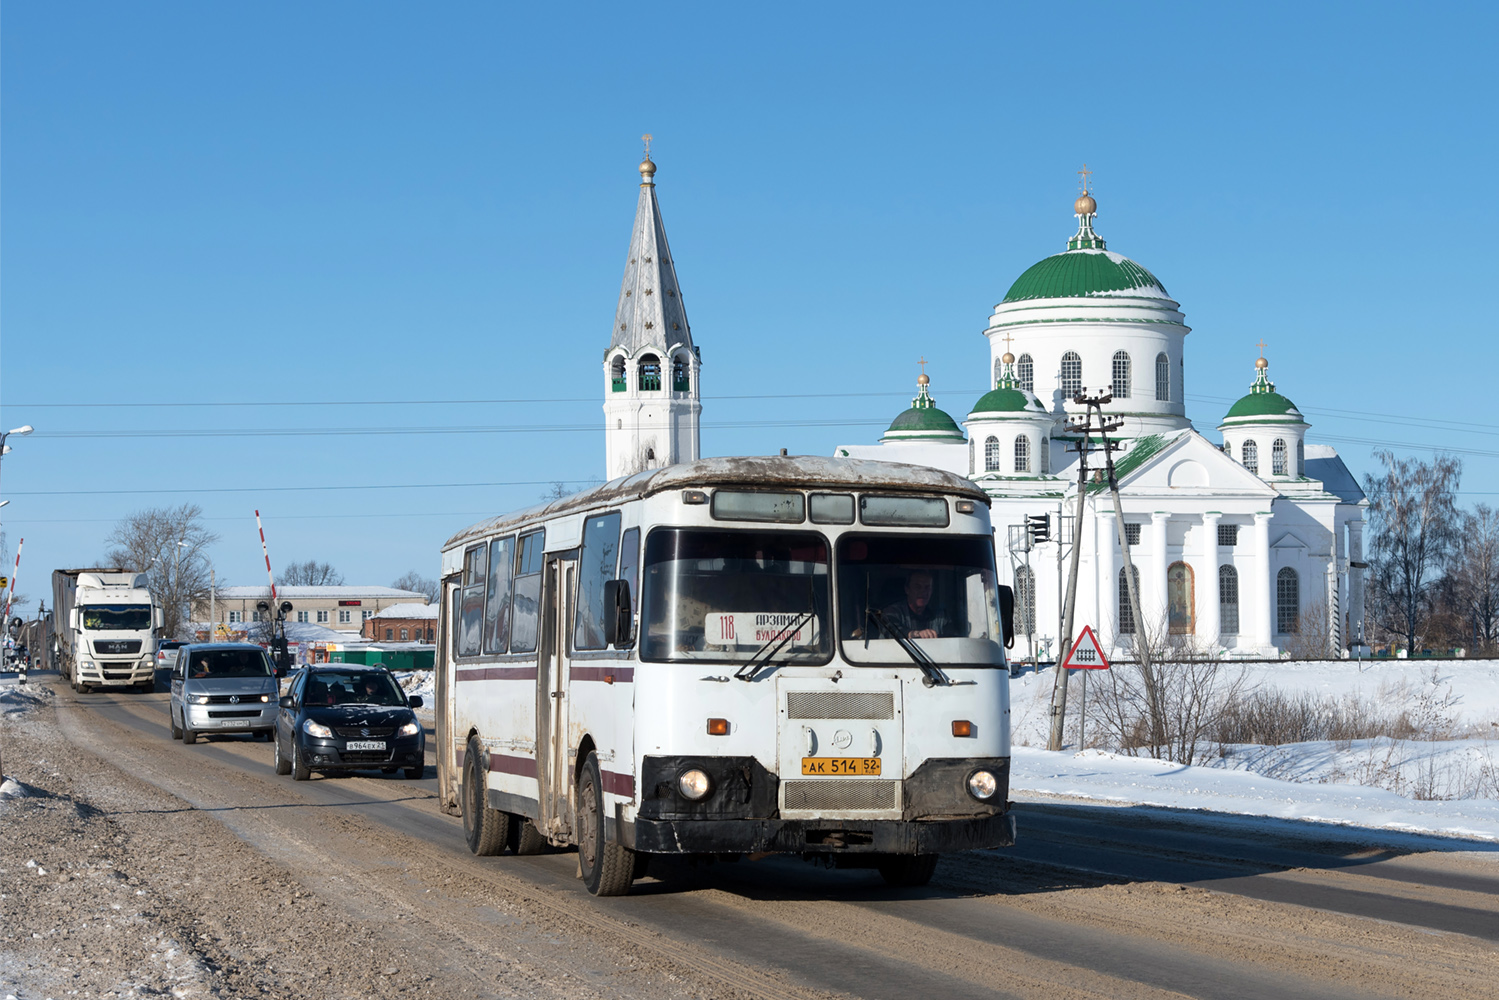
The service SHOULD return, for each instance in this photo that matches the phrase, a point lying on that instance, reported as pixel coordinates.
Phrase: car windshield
(117, 617)
(352, 687)
(211, 663)
(936, 591)
(724, 596)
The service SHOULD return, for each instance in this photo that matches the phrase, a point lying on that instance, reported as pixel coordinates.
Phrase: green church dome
(1007, 400)
(1083, 273)
(923, 421)
(1263, 403)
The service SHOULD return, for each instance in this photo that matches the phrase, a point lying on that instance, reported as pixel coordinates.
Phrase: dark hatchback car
(344, 718)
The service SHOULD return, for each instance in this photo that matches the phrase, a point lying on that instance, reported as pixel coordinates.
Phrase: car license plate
(365, 745)
(840, 765)
(235, 722)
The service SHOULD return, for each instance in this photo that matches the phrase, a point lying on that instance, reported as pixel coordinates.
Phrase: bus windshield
(723, 596)
(117, 617)
(936, 591)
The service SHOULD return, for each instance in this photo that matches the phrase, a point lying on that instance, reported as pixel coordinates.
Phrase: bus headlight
(694, 784)
(982, 785)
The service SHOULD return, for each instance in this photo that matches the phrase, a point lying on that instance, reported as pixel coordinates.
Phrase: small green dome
(1083, 273)
(1263, 404)
(1006, 400)
(923, 421)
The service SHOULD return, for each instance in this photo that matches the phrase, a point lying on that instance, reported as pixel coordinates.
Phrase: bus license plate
(840, 765)
(365, 745)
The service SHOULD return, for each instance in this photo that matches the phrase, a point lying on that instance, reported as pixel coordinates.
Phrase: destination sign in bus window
(737, 505)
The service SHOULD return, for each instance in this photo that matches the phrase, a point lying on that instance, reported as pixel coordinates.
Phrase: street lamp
(21, 431)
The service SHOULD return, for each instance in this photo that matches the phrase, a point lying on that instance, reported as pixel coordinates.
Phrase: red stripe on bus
(523, 766)
(496, 674)
(618, 784)
(609, 675)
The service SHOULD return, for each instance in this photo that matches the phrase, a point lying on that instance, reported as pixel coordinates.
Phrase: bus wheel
(908, 869)
(525, 839)
(485, 829)
(608, 869)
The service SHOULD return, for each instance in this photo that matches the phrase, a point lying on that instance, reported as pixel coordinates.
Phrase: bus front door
(553, 770)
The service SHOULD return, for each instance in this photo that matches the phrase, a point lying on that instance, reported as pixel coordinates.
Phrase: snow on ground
(1443, 786)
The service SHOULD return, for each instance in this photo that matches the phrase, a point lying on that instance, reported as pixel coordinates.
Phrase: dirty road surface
(134, 866)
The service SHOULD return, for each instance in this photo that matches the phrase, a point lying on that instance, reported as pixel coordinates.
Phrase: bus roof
(763, 471)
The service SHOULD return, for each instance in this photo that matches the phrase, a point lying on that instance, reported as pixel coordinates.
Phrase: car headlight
(694, 784)
(199, 699)
(317, 729)
(982, 785)
(86, 664)
(265, 697)
(409, 729)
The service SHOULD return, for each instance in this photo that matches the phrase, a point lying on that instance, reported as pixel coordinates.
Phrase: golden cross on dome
(1261, 346)
(1008, 338)
(1085, 174)
(922, 363)
(647, 140)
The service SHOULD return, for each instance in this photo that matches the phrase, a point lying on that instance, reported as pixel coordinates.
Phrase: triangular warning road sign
(1086, 653)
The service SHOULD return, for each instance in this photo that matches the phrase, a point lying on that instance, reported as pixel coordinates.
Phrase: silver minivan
(220, 688)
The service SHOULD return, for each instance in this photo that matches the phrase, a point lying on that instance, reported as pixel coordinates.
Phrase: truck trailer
(104, 624)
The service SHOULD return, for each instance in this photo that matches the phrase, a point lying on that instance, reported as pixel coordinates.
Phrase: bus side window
(596, 566)
(629, 571)
(497, 604)
(527, 598)
(472, 617)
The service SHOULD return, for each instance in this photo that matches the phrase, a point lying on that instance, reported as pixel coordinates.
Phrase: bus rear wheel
(525, 839)
(608, 869)
(908, 870)
(485, 829)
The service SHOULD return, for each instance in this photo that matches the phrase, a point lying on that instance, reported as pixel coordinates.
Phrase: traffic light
(1038, 526)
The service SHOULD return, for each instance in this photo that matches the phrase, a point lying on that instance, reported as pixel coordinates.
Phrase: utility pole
(1059, 684)
(1142, 644)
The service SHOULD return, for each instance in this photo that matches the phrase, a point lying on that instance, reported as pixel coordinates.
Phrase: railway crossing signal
(1086, 653)
(1039, 527)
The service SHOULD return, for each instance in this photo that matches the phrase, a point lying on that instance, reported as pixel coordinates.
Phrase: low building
(403, 623)
(341, 608)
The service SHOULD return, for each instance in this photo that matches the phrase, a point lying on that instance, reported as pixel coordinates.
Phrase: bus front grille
(837, 794)
(840, 705)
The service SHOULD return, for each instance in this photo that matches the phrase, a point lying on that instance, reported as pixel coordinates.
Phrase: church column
(1208, 624)
(1155, 581)
(1262, 608)
(1356, 582)
(1108, 576)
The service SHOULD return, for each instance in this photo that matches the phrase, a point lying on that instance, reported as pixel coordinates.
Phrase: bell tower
(652, 399)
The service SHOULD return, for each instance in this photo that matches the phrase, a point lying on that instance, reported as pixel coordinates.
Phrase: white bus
(730, 657)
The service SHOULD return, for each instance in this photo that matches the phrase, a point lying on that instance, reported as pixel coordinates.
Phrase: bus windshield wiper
(750, 669)
(934, 674)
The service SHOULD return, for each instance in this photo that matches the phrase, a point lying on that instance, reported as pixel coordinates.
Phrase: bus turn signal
(962, 727)
(718, 727)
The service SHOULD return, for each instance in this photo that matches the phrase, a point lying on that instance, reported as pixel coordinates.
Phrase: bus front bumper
(820, 836)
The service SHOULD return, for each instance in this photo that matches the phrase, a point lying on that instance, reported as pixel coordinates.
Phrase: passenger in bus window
(914, 616)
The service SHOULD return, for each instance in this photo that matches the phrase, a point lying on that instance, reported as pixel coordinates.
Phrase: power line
(303, 489)
(184, 432)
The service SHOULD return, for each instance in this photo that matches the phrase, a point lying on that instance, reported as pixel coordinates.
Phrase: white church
(1240, 546)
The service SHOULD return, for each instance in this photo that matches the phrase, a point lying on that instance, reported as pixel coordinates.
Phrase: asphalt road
(1092, 901)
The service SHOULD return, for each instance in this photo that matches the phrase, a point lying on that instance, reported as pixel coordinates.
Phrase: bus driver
(914, 617)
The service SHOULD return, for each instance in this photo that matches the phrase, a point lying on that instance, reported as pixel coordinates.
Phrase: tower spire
(1085, 208)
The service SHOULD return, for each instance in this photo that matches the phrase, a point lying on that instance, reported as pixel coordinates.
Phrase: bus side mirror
(617, 612)
(1007, 615)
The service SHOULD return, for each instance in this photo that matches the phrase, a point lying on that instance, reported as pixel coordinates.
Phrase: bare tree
(412, 580)
(1314, 638)
(1414, 529)
(556, 491)
(169, 545)
(310, 574)
(1475, 577)
(1170, 709)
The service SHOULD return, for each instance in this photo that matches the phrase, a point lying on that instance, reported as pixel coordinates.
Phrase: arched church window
(1251, 453)
(1278, 458)
(1162, 378)
(991, 455)
(999, 369)
(1044, 449)
(1228, 600)
(1025, 601)
(1181, 599)
(1301, 458)
(1022, 453)
(1126, 612)
(680, 374)
(1120, 385)
(1072, 374)
(1025, 373)
(1287, 601)
(617, 373)
(650, 373)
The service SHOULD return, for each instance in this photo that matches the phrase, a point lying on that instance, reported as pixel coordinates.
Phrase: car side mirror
(1007, 615)
(287, 701)
(415, 701)
(617, 612)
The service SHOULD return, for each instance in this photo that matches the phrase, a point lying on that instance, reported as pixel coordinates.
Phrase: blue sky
(406, 207)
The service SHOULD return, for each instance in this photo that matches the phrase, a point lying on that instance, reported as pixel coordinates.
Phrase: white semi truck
(104, 624)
